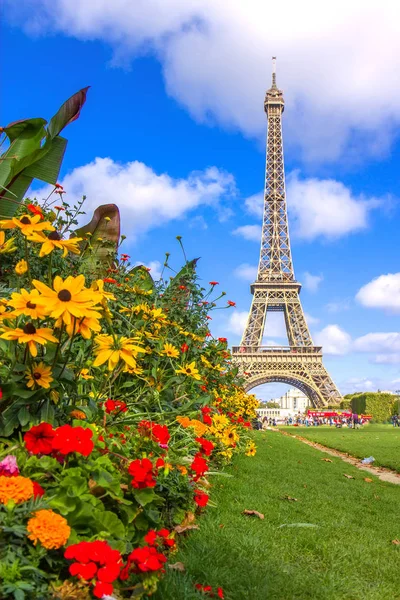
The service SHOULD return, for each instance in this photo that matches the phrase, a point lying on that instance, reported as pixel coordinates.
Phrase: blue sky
(173, 132)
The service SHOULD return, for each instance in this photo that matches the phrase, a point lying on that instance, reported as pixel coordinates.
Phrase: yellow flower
(21, 267)
(53, 241)
(199, 427)
(170, 350)
(40, 375)
(69, 298)
(28, 225)
(30, 335)
(251, 449)
(157, 314)
(190, 371)
(17, 488)
(230, 436)
(84, 374)
(220, 422)
(113, 350)
(28, 304)
(98, 286)
(83, 326)
(133, 370)
(227, 453)
(6, 246)
(48, 528)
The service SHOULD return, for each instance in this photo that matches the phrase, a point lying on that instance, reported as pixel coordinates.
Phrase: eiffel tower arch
(276, 289)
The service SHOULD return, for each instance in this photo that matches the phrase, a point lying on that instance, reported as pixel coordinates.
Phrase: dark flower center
(30, 305)
(64, 295)
(54, 235)
(29, 328)
(37, 375)
(26, 220)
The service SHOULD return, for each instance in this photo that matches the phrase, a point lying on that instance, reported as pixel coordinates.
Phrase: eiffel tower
(276, 289)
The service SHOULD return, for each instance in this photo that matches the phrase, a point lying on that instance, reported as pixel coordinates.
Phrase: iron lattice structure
(276, 289)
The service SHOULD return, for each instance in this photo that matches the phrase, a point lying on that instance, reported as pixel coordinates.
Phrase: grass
(348, 556)
(380, 441)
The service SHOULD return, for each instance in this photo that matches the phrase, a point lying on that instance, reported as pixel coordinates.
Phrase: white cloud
(310, 319)
(333, 340)
(154, 266)
(237, 322)
(339, 306)
(215, 59)
(249, 232)
(317, 208)
(373, 384)
(387, 359)
(378, 342)
(246, 272)
(382, 292)
(325, 207)
(311, 282)
(146, 200)
(255, 204)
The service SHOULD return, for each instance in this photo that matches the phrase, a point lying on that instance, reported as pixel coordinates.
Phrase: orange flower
(182, 469)
(184, 421)
(78, 414)
(18, 488)
(48, 528)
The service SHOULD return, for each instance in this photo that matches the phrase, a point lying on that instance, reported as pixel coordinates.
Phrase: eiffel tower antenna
(276, 289)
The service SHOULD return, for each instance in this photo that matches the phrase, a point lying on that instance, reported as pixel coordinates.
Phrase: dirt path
(381, 472)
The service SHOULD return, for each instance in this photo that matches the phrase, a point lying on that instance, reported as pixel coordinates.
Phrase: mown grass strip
(349, 555)
(380, 441)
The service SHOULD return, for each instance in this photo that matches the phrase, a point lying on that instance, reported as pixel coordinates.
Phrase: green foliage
(377, 404)
(101, 238)
(34, 152)
(345, 403)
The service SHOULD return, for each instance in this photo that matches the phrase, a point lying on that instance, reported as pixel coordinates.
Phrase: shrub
(377, 404)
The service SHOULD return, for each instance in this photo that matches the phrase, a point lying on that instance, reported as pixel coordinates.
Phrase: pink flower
(8, 466)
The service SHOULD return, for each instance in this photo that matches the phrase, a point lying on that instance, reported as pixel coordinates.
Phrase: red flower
(182, 287)
(206, 589)
(58, 186)
(214, 283)
(209, 318)
(184, 348)
(220, 593)
(206, 446)
(150, 537)
(142, 471)
(203, 388)
(35, 210)
(59, 207)
(39, 439)
(95, 560)
(146, 559)
(38, 491)
(109, 280)
(69, 439)
(160, 463)
(230, 303)
(166, 539)
(223, 340)
(201, 498)
(158, 433)
(115, 405)
(199, 466)
(206, 415)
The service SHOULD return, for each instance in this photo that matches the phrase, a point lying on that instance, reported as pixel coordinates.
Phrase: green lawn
(380, 441)
(349, 555)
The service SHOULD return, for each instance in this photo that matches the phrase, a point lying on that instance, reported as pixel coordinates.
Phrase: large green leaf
(13, 195)
(67, 113)
(104, 230)
(31, 133)
(48, 167)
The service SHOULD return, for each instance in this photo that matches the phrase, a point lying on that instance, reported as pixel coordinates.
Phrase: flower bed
(118, 407)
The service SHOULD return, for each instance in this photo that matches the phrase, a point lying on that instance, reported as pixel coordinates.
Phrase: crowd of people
(353, 421)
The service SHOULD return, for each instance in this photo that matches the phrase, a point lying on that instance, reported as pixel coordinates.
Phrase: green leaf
(67, 113)
(48, 167)
(144, 496)
(47, 412)
(13, 195)
(109, 522)
(24, 415)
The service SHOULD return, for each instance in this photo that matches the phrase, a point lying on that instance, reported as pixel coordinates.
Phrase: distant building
(292, 403)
